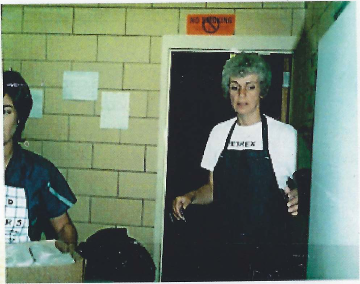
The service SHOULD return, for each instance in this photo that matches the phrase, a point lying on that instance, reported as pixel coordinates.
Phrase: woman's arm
(203, 195)
(292, 193)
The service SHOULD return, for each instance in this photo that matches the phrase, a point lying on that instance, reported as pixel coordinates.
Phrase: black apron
(251, 214)
(247, 196)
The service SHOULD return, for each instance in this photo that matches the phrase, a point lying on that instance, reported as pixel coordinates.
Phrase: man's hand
(293, 200)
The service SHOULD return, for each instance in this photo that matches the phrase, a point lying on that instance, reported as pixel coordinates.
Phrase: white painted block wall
(334, 207)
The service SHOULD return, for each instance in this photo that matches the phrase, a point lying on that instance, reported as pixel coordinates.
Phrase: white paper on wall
(115, 108)
(80, 85)
(38, 99)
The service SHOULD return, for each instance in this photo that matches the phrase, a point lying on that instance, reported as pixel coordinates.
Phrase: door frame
(259, 44)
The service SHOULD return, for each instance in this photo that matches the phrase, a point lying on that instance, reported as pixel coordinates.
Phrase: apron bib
(252, 208)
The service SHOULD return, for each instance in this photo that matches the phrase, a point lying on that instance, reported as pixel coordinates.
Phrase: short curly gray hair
(244, 64)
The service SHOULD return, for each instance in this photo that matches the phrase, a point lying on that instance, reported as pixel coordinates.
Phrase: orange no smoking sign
(210, 24)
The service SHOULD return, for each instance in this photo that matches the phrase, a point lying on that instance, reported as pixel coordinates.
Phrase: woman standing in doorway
(249, 159)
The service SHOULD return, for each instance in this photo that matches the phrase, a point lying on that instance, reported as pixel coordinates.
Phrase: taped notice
(286, 80)
(80, 85)
(115, 108)
(38, 99)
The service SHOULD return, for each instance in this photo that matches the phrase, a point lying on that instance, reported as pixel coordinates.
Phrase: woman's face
(245, 94)
(10, 119)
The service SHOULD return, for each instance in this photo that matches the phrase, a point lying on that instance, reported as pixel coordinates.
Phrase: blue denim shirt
(47, 192)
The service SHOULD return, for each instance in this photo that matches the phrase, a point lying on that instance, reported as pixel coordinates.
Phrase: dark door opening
(196, 106)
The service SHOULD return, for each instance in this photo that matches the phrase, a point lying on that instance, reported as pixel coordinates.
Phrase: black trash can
(113, 256)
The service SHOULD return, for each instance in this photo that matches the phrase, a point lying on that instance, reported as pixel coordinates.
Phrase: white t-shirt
(282, 145)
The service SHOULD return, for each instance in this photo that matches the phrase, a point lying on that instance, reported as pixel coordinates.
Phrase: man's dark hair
(18, 90)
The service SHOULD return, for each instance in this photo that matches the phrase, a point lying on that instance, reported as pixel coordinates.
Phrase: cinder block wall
(319, 16)
(112, 172)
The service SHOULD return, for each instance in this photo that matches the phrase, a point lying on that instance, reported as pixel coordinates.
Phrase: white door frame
(260, 44)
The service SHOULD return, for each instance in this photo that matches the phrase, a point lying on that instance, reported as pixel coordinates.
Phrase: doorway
(196, 105)
(262, 44)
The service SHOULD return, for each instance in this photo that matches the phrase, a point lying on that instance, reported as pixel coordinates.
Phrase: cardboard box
(67, 273)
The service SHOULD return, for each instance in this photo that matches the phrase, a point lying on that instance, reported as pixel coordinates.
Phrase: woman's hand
(203, 195)
(180, 203)
(293, 200)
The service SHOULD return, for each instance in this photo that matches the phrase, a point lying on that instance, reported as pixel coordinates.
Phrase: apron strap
(264, 134)
(229, 136)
